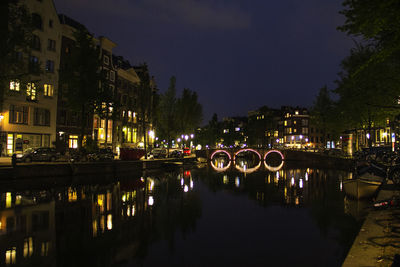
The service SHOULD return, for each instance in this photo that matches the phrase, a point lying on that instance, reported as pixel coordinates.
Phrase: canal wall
(378, 242)
(65, 169)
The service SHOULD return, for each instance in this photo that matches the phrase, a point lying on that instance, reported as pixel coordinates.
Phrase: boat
(365, 186)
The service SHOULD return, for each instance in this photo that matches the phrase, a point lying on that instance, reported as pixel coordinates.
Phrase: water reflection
(114, 223)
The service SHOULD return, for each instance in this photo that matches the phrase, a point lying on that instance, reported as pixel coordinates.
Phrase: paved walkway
(378, 243)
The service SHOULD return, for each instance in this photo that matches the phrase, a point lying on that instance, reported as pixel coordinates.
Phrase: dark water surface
(193, 217)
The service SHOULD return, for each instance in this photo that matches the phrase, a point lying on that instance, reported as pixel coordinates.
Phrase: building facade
(29, 111)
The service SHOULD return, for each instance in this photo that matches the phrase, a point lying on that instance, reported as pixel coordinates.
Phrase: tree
(16, 37)
(145, 101)
(189, 112)
(166, 113)
(80, 76)
(363, 91)
(322, 113)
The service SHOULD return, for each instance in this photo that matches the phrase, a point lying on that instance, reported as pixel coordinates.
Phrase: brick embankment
(378, 242)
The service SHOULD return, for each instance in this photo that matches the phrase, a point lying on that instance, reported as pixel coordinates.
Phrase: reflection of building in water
(27, 229)
(286, 186)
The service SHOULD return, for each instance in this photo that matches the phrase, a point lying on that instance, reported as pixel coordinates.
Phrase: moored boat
(364, 186)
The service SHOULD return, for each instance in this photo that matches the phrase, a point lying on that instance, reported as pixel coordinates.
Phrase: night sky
(237, 55)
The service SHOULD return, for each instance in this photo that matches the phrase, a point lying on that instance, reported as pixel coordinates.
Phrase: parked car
(38, 154)
(176, 154)
(157, 153)
(186, 151)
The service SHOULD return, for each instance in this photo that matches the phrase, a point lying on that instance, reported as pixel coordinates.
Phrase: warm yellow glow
(124, 198)
(28, 247)
(18, 199)
(133, 210)
(100, 202)
(8, 200)
(31, 91)
(72, 195)
(102, 226)
(73, 141)
(10, 144)
(45, 249)
(109, 222)
(14, 86)
(10, 255)
(94, 228)
(48, 89)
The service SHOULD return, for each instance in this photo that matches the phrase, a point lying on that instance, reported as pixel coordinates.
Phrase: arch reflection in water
(220, 164)
(247, 160)
(272, 168)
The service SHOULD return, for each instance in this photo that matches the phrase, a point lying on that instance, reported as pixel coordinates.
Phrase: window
(48, 90)
(50, 66)
(50, 23)
(51, 45)
(106, 60)
(304, 130)
(41, 117)
(14, 86)
(18, 114)
(37, 21)
(31, 92)
(73, 141)
(112, 76)
(11, 256)
(34, 64)
(35, 42)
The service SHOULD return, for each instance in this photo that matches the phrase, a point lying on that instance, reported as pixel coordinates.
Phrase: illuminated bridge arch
(245, 150)
(221, 151)
(274, 151)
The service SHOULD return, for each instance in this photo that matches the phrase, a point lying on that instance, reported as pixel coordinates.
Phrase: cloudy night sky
(237, 55)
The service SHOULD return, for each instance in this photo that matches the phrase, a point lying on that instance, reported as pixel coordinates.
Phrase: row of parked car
(105, 154)
(160, 153)
(50, 154)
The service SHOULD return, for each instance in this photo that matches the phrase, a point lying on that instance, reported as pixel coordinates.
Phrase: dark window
(40, 221)
(35, 42)
(18, 114)
(51, 23)
(37, 21)
(34, 64)
(41, 117)
(51, 45)
(63, 117)
(50, 66)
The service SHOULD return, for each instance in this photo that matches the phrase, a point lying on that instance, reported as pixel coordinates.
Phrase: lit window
(226, 130)
(14, 86)
(45, 249)
(285, 123)
(48, 90)
(237, 129)
(11, 256)
(31, 91)
(28, 247)
(73, 141)
(296, 112)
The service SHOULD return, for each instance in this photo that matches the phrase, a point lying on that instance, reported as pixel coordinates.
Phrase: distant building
(263, 130)
(294, 127)
(233, 132)
(126, 124)
(29, 112)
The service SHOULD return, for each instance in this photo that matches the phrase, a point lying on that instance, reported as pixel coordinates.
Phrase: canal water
(202, 216)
